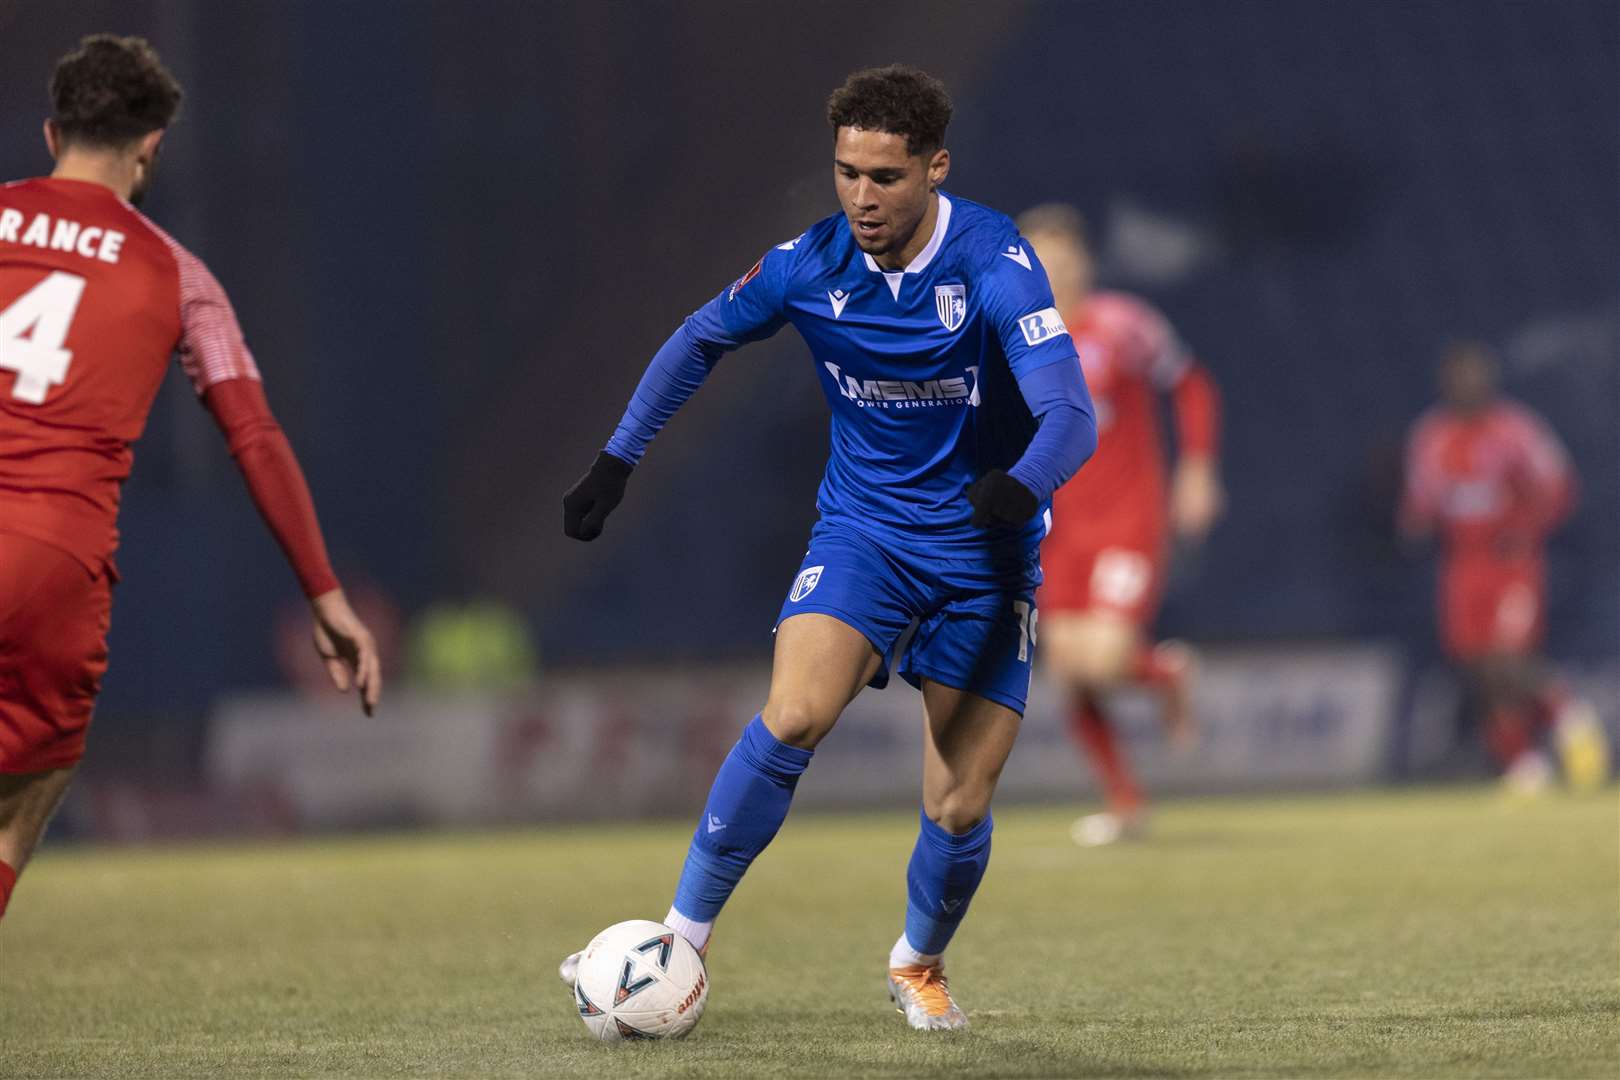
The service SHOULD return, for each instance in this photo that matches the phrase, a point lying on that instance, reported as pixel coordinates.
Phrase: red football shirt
(1129, 354)
(94, 298)
(1488, 481)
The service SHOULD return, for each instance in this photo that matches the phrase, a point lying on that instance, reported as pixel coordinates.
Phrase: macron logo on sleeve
(1043, 325)
(1017, 254)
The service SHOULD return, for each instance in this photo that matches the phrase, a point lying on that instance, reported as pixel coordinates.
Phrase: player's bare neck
(924, 232)
(112, 171)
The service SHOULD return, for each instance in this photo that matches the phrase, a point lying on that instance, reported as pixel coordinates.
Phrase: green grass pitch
(1431, 933)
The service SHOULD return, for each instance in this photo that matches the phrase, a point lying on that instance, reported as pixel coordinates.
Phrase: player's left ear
(147, 149)
(53, 139)
(939, 167)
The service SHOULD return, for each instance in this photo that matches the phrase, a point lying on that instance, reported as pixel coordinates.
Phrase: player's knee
(961, 808)
(798, 722)
(1099, 670)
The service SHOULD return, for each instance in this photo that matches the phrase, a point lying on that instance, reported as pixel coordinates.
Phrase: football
(640, 980)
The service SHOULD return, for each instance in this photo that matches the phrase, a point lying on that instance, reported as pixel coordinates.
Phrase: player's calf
(1170, 668)
(944, 873)
(746, 806)
(27, 801)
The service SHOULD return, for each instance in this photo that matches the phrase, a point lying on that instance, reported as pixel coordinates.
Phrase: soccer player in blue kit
(958, 407)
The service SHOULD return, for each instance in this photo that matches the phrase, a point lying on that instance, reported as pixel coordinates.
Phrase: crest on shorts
(951, 303)
(806, 583)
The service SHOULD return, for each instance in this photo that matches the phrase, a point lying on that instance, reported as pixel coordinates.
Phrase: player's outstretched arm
(215, 357)
(278, 489)
(674, 375)
(1197, 497)
(748, 310)
(1418, 513)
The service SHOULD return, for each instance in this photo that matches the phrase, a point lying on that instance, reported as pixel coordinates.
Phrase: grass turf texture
(1409, 934)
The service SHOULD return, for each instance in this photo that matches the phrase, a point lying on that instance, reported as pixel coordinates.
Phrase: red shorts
(1124, 578)
(1490, 605)
(54, 615)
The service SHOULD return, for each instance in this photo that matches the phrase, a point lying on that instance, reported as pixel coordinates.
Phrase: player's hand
(998, 499)
(1196, 498)
(593, 497)
(347, 647)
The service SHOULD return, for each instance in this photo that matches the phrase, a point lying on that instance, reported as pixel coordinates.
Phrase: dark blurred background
(455, 233)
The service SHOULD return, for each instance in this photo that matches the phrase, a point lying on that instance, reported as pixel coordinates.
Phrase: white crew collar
(942, 222)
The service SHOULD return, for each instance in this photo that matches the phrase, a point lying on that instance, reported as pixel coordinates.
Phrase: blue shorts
(971, 607)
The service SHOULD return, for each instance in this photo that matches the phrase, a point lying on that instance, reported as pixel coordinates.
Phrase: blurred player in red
(1493, 480)
(94, 299)
(1105, 558)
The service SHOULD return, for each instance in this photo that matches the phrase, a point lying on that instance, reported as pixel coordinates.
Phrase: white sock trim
(903, 955)
(690, 929)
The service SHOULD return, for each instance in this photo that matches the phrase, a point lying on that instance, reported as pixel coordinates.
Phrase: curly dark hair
(111, 90)
(898, 99)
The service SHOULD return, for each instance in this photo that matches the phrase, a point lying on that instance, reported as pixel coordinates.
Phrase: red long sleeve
(1197, 407)
(273, 477)
(1543, 504)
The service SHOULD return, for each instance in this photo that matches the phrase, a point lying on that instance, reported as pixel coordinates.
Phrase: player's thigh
(967, 739)
(821, 663)
(27, 801)
(54, 617)
(1088, 648)
(835, 631)
(1491, 609)
(1518, 612)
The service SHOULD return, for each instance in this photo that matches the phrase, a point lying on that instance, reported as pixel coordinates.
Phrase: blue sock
(747, 805)
(945, 871)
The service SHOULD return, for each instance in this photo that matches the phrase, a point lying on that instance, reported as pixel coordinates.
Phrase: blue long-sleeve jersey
(957, 364)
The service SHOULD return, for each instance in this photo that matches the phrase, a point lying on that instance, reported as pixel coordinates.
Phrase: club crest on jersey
(951, 303)
(806, 583)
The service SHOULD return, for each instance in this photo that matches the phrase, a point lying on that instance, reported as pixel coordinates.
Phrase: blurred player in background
(1494, 481)
(1106, 558)
(94, 299)
(957, 409)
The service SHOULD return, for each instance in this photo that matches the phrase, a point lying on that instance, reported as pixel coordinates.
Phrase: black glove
(593, 497)
(998, 499)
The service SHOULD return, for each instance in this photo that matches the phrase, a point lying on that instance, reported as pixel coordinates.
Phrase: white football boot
(923, 995)
(1109, 827)
(568, 970)
(1528, 777)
